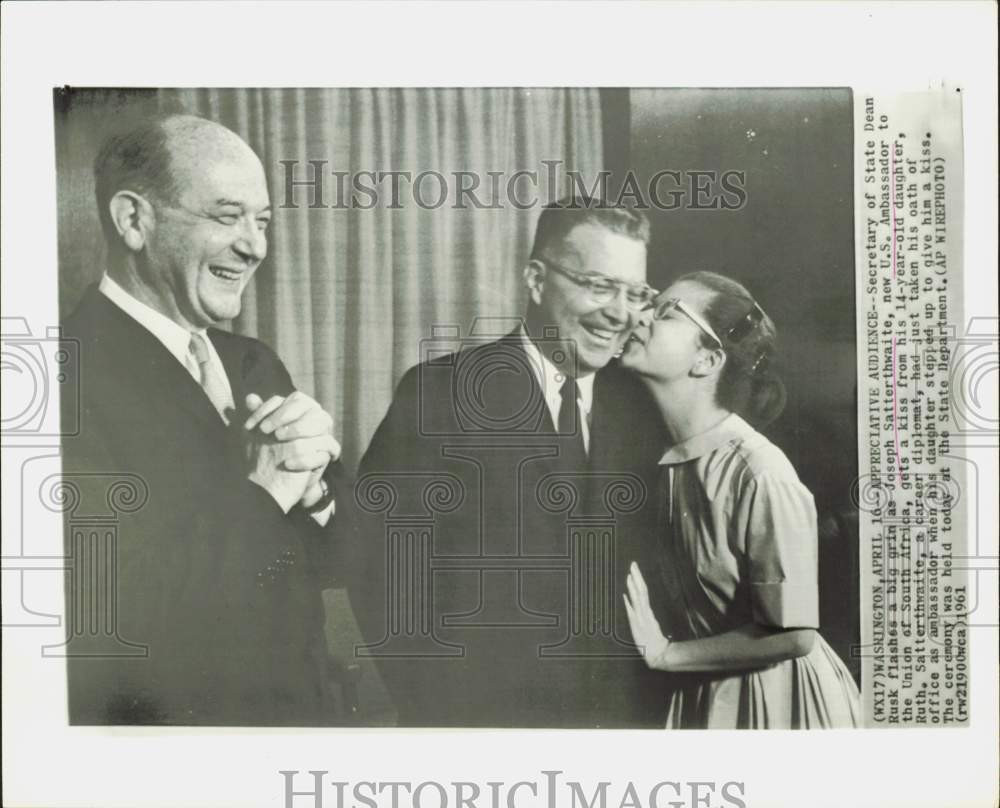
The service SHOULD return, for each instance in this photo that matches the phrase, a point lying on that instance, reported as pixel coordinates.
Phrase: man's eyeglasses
(602, 289)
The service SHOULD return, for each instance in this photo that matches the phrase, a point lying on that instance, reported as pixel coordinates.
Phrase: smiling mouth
(224, 274)
(602, 335)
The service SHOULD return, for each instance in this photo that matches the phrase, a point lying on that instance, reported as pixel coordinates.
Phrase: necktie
(211, 382)
(574, 454)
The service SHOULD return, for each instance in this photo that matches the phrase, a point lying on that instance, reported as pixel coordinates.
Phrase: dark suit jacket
(471, 458)
(217, 582)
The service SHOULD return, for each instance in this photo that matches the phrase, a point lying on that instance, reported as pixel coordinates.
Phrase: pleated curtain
(348, 296)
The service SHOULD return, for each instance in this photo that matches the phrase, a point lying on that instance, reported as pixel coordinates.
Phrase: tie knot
(199, 348)
(569, 390)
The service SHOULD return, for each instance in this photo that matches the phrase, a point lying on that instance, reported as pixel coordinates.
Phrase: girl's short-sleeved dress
(740, 546)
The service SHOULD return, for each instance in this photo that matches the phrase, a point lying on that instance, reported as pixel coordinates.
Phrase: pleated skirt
(815, 691)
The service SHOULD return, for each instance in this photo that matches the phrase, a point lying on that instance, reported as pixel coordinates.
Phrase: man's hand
(300, 425)
(295, 416)
(645, 627)
(267, 469)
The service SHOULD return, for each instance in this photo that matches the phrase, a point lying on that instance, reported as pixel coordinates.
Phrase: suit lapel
(145, 362)
(605, 435)
(236, 361)
(250, 368)
(514, 398)
(601, 426)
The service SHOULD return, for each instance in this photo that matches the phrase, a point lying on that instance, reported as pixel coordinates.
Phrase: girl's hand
(645, 627)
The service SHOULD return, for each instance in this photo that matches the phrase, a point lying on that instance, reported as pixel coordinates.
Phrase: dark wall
(792, 245)
(82, 121)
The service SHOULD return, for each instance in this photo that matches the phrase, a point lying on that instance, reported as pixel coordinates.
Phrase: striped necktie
(211, 382)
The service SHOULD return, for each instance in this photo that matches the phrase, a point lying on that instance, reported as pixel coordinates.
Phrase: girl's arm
(749, 646)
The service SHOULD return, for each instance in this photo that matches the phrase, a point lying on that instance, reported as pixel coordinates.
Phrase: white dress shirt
(177, 340)
(551, 379)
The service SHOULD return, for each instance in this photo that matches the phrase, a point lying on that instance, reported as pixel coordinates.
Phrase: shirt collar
(551, 378)
(730, 428)
(174, 337)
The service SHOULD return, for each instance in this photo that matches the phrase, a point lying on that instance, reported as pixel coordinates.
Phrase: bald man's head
(160, 156)
(185, 211)
(196, 145)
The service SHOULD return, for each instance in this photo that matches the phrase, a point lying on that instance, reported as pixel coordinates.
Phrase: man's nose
(617, 309)
(251, 244)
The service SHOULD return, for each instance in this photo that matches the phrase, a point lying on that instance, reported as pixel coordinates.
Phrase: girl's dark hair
(748, 386)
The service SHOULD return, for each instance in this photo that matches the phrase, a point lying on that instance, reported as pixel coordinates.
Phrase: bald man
(218, 575)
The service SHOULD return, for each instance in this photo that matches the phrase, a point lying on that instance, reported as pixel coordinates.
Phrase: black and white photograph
(478, 405)
(507, 407)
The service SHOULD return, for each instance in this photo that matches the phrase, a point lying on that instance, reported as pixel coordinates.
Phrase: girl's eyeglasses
(663, 309)
(737, 333)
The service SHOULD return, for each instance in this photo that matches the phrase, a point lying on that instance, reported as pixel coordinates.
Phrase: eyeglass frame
(734, 334)
(669, 304)
(585, 280)
(747, 324)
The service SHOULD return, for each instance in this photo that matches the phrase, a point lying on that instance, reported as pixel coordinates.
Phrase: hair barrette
(747, 324)
(761, 363)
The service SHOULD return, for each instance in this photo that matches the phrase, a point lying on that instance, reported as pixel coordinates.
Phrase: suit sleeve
(218, 583)
(327, 545)
(395, 447)
(392, 449)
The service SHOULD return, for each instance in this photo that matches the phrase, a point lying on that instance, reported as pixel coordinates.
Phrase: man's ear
(133, 218)
(534, 279)
(710, 361)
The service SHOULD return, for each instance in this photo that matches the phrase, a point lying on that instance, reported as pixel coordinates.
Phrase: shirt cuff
(324, 516)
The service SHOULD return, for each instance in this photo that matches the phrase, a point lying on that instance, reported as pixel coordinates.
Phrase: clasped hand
(289, 444)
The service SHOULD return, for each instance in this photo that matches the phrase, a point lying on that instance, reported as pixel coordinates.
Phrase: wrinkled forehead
(591, 247)
(211, 167)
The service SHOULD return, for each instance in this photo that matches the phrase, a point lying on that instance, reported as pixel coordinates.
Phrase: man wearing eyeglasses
(534, 430)
(587, 278)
